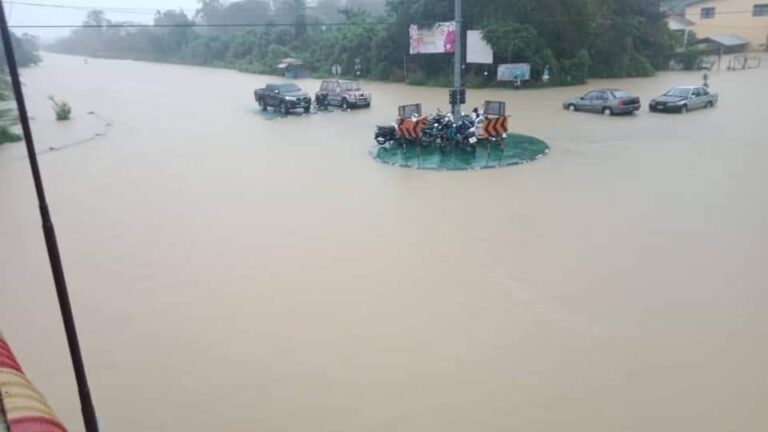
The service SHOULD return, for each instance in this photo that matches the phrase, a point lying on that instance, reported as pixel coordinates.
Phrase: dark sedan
(606, 101)
(683, 99)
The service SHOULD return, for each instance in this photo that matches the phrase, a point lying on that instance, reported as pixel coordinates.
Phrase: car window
(589, 96)
(703, 91)
(618, 94)
(601, 95)
(678, 92)
(350, 86)
(287, 88)
(697, 92)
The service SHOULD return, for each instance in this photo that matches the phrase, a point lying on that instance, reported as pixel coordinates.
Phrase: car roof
(686, 87)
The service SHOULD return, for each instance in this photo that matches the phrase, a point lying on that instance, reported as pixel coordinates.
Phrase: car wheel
(684, 109)
(306, 110)
(262, 105)
(283, 108)
(344, 104)
(607, 111)
(710, 104)
(571, 107)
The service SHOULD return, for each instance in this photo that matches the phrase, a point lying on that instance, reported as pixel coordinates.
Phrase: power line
(83, 7)
(194, 25)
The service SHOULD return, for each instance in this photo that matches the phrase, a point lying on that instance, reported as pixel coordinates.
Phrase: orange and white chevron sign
(495, 127)
(411, 129)
(22, 407)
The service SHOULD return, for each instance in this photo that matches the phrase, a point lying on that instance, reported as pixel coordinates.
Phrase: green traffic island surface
(516, 149)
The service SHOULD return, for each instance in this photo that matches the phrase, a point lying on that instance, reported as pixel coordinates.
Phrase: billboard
(478, 50)
(514, 71)
(437, 38)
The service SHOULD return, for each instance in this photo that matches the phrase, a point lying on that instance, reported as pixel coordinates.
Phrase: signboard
(336, 70)
(478, 50)
(495, 108)
(408, 111)
(513, 72)
(437, 38)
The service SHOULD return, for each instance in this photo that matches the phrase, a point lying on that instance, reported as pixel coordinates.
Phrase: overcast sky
(74, 12)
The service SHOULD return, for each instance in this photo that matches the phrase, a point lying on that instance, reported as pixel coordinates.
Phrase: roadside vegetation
(26, 49)
(574, 39)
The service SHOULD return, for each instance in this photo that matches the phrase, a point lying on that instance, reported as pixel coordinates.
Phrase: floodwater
(231, 272)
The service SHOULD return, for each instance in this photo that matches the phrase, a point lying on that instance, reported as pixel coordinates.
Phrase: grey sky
(134, 10)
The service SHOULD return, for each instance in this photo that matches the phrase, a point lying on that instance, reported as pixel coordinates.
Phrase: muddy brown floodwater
(234, 273)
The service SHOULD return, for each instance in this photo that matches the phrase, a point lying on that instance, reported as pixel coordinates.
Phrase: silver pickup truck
(343, 93)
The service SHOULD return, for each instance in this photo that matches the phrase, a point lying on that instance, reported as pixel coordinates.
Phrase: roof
(676, 6)
(681, 20)
(290, 61)
(728, 40)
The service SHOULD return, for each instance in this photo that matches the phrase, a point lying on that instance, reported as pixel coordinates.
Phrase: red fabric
(35, 424)
(7, 360)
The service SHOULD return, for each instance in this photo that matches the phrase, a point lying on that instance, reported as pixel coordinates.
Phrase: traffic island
(515, 149)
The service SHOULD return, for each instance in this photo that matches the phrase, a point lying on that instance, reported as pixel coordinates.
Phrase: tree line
(26, 49)
(573, 39)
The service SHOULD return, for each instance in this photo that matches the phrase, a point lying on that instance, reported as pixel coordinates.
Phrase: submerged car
(684, 98)
(606, 101)
(283, 97)
(343, 93)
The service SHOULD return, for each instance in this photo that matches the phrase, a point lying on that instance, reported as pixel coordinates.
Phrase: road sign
(408, 111)
(494, 108)
(495, 127)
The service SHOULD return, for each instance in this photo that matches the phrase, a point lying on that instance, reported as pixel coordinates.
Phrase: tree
(328, 10)
(575, 38)
(169, 42)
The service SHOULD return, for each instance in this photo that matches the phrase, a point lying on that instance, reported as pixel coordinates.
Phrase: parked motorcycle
(385, 134)
(321, 101)
(466, 134)
(433, 132)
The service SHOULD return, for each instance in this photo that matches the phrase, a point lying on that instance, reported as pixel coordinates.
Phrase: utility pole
(457, 61)
(86, 404)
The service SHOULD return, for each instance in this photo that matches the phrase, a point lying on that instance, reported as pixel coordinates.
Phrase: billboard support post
(457, 60)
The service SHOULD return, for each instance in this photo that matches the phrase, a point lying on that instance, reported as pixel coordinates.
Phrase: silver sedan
(606, 101)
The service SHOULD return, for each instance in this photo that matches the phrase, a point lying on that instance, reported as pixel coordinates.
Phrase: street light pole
(457, 60)
(86, 404)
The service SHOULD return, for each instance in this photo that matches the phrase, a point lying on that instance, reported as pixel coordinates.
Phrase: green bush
(476, 81)
(62, 109)
(416, 77)
(7, 119)
(639, 66)
(572, 71)
(7, 136)
(396, 75)
(442, 80)
(690, 57)
(382, 72)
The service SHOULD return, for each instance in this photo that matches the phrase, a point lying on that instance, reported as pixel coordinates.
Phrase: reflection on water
(514, 149)
(232, 273)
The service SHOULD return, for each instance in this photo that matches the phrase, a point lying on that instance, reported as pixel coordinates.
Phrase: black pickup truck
(283, 98)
